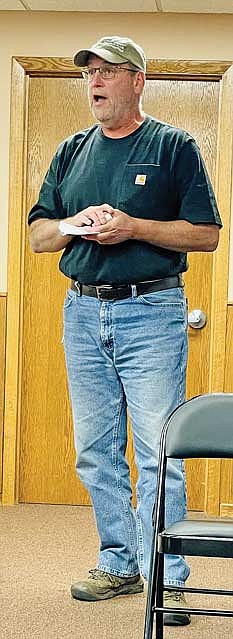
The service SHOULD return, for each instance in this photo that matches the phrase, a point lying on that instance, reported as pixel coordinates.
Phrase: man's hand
(177, 235)
(45, 236)
(119, 228)
(93, 215)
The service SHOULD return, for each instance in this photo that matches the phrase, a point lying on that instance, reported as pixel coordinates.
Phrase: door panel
(56, 108)
(193, 105)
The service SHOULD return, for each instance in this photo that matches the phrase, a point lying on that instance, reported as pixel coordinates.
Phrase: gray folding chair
(200, 428)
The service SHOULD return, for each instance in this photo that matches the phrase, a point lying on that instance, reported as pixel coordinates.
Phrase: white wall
(175, 36)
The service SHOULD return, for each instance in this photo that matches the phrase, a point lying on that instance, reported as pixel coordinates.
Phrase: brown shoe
(175, 599)
(103, 585)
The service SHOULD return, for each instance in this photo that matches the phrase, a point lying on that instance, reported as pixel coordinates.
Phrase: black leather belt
(109, 293)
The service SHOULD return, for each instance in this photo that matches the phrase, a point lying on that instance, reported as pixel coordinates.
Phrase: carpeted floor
(44, 548)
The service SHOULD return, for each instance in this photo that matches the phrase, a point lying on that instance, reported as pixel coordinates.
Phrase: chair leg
(159, 597)
(149, 618)
(155, 597)
(148, 628)
(158, 625)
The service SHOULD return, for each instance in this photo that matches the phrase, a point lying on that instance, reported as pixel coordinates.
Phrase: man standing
(136, 196)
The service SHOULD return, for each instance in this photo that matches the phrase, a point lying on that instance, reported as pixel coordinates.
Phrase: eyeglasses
(106, 72)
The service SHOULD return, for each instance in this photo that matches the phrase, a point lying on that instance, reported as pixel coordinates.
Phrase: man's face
(111, 101)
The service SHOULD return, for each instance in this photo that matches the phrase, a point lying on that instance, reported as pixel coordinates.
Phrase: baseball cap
(114, 49)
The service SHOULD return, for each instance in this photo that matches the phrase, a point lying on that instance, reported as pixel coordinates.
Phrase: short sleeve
(49, 203)
(197, 202)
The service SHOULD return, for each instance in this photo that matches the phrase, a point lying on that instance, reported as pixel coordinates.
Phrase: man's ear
(139, 82)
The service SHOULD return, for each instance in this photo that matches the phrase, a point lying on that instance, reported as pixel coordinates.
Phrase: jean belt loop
(134, 290)
(78, 288)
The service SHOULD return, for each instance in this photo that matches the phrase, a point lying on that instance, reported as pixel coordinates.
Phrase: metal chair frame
(201, 427)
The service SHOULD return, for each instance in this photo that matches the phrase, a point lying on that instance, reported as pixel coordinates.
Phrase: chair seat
(197, 537)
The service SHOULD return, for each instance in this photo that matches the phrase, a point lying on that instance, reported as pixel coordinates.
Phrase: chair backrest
(201, 427)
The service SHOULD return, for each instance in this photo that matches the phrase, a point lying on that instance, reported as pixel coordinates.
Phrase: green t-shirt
(155, 173)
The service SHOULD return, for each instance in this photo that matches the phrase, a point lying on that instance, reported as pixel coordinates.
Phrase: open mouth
(98, 99)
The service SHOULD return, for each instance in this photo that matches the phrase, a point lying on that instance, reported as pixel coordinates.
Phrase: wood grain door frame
(3, 313)
(22, 69)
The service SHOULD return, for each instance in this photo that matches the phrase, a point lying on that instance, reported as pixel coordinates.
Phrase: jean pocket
(170, 303)
(70, 297)
(172, 297)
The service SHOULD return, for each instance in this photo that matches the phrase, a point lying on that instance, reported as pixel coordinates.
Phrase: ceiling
(151, 6)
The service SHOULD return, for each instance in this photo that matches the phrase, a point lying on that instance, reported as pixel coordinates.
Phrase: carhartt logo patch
(140, 179)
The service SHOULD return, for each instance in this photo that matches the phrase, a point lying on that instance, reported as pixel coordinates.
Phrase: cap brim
(81, 57)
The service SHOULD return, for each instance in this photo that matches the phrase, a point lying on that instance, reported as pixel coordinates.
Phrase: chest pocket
(143, 190)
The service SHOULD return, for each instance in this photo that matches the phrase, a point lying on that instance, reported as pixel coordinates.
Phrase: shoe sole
(122, 590)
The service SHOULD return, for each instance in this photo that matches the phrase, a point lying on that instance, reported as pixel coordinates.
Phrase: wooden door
(56, 107)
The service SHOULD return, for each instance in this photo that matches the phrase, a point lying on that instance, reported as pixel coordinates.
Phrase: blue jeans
(127, 355)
